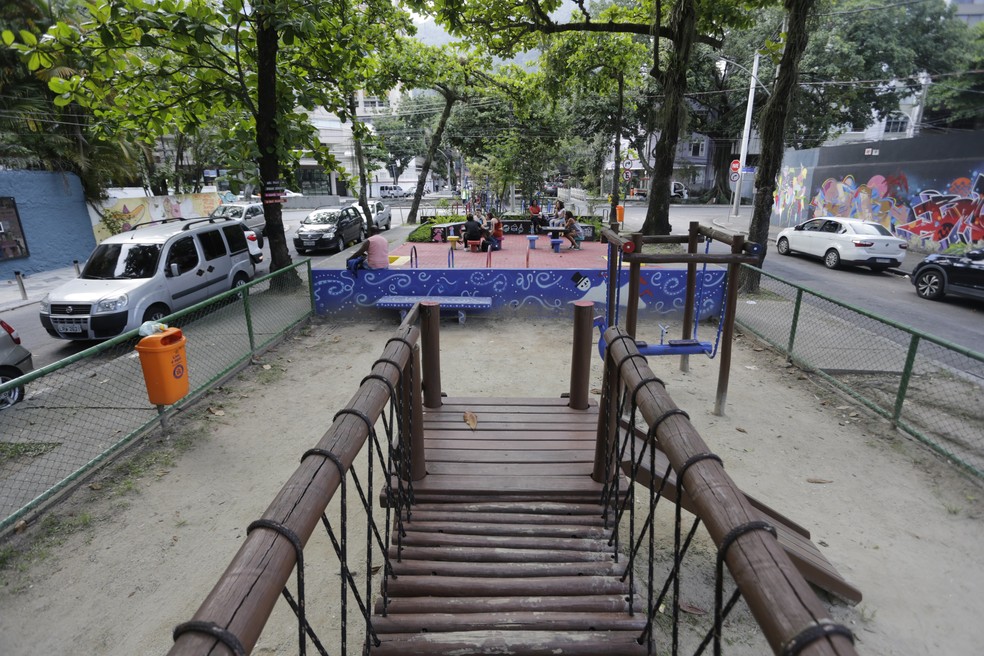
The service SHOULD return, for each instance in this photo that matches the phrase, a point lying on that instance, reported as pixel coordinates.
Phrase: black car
(329, 228)
(950, 274)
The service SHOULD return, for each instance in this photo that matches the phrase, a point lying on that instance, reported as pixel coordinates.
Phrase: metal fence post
(792, 328)
(249, 320)
(910, 361)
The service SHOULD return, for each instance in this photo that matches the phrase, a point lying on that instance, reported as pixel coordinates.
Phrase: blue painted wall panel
(662, 292)
(54, 219)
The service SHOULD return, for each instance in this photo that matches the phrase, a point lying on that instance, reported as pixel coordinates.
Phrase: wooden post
(613, 274)
(635, 272)
(418, 457)
(581, 355)
(728, 331)
(430, 340)
(690, 312)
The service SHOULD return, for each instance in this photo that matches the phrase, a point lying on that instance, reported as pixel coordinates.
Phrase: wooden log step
(552, 485)
(515, 643)
(518, 507)
(497, 425)
(510, 469)
(578, 418)
(474, 497)
(464, 586)
(516, 442)
(414, 539)
(495, 438)
(500, 529)
(461, 408)
(512, 621)
(507, 570)
(474, 455)
(510, 401)
(450, 515)
(495, 555)
(587, 604)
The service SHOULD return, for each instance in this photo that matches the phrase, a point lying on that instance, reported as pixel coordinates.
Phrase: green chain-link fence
(925, 386)
(80, 411)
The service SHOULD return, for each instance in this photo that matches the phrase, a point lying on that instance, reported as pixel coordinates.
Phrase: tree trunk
(360, 162)
(772, 125)
(449, 100)
(721, 161)
(684, 25)
(267, 132)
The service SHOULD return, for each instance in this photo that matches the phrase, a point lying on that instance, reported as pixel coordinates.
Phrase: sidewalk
(36, 285)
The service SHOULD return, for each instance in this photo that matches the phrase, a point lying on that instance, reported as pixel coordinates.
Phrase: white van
(392, 191)
(147, 273)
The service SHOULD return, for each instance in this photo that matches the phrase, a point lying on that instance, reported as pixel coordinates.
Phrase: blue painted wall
(662, 292)
(54, 218)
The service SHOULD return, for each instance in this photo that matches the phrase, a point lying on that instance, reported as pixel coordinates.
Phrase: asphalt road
(889, 295)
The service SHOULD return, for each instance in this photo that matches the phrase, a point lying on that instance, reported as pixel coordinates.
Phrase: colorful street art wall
(523, 291)
(124, 213)
(928, 190)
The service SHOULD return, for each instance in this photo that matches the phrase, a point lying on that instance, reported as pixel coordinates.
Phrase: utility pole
(744, 136)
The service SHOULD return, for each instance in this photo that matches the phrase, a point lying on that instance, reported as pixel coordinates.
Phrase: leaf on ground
(95, 486)
(843, 407)
(20, 526)
(217, 412)
(819, 481)
(267, 367)
(596, 390)
(690, 608)
(741, 430)
(471, 419)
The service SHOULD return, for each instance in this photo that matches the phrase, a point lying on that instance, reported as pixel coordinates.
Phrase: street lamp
(743, 153)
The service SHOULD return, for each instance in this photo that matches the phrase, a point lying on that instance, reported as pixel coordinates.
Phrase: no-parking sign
(735, 176)
(735, 165)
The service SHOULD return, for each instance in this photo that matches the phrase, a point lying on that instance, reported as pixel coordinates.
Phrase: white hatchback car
(844, 241)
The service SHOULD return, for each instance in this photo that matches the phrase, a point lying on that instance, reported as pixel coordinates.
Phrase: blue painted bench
(459, 303)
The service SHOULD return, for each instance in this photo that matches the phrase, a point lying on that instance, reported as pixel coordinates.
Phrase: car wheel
(156, 312)
(832, 259)
(240, 280)
(10, 397)
(930, 285)
(388, 225)
(783, 246)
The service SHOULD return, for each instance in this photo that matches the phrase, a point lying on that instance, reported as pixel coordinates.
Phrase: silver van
(147, 273)
(392, 191)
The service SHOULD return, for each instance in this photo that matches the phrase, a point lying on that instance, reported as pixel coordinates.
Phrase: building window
(697, 148)
(896, 123)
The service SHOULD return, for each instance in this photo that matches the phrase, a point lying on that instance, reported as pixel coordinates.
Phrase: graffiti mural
(939, 218)
(789, 199)
(950, 217)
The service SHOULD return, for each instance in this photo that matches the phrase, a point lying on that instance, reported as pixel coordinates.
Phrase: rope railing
(791, 617)
(232, 617)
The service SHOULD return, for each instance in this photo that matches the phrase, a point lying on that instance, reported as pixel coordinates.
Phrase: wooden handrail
(244, 596)
(781, 601)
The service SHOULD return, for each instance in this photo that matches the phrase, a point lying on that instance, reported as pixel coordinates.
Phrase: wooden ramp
(506, 552)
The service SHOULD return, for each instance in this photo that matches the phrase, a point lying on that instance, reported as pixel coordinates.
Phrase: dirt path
(147, 548)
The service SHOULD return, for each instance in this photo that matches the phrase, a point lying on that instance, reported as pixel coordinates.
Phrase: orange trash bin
(620, 213)
(165, 368)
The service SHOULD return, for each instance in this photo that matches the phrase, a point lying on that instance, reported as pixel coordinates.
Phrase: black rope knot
(693, 460)
(221, 634)
(822, 629)
(740, 530)
(327, 454)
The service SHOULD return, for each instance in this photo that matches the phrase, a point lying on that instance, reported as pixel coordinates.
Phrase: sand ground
(148, 543)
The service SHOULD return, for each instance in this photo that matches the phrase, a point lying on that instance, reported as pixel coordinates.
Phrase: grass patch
(10, 451)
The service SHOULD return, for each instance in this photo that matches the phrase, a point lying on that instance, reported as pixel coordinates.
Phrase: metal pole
(581, 355)
(20, 283)
(78, 271)
(745, 134)
(690, 312)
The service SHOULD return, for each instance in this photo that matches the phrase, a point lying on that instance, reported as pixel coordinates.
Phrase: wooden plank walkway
(506, 552)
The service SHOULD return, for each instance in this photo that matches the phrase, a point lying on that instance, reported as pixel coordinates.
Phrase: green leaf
(8, 37)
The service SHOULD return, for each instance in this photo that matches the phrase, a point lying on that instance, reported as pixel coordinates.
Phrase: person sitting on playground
(559, 214)
(572, 231)
(374, 254)
(473, 229)
(494, 226)
(534, 209)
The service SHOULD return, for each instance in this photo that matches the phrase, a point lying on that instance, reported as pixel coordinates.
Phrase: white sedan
(844, 241)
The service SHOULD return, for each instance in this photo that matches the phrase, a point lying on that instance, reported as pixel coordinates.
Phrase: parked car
(392, 191)
(147, 273)
(677, 190)
(844, 241)
(330, 229)
(940, 274)
(382, 216)
(249, 213)
(255, 245)
(15, 361)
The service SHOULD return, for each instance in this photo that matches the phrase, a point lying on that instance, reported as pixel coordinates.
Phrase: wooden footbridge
(516, 526)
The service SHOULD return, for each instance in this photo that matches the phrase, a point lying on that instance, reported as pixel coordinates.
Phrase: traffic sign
(627, 164)
(735, 176)
(626, 175)
(735, 165)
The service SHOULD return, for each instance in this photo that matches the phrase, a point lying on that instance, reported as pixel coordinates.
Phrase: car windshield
(872, 229)
(330, 218)
(116, 261)
(231, 211)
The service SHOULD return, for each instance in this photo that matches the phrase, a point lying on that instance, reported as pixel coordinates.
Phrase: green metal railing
(925, 386)
(80, 411)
